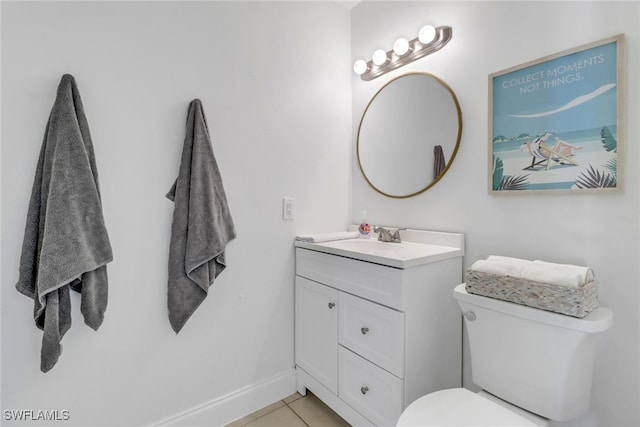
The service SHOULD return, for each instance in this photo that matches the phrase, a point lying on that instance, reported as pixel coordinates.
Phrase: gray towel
(202, 224)
(65, 240)
(439, 162)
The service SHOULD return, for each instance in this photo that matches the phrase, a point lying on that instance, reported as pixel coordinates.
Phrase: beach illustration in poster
(554, 123)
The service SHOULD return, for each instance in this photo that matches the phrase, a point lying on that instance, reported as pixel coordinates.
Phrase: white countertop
(417, 247)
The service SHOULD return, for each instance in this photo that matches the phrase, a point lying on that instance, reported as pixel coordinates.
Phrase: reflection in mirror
(409, 135)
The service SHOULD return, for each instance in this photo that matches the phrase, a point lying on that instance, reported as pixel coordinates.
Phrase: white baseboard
(235, 405)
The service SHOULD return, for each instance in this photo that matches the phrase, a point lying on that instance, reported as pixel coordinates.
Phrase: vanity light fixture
(401, 46)
(360, 66)
(430, 39)
(379, 57)
(426, 34)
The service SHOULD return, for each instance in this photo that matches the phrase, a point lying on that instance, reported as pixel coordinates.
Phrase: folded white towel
(537, 271)
(498, 267)
(566, 274)
(517, 262)
(327, 237)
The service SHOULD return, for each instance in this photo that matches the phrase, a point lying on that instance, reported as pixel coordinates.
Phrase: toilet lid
(459, 407)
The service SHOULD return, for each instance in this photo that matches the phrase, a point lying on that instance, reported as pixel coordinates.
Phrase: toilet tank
(535, 359)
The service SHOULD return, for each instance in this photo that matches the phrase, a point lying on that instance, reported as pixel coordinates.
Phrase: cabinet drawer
(373, 331)
(371, 281)
(372, 391)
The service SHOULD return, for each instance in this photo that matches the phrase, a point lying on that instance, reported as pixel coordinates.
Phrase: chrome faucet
(385, 235)
(396, 235)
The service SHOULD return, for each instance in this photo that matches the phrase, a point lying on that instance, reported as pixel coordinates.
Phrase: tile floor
(293, 411)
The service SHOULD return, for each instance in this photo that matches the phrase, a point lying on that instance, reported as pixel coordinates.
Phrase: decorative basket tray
(576, 302)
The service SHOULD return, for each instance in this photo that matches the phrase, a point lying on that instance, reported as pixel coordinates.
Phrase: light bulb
(401, 46)
(379, 57)
(426, 34)
(360, 67)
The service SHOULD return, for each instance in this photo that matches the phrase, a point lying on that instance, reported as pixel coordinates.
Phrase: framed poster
(554, 123)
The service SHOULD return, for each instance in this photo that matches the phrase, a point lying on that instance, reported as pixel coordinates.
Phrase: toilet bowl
(461, 407)
(533, 367)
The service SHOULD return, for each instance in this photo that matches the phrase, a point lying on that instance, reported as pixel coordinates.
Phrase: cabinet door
(316, 331)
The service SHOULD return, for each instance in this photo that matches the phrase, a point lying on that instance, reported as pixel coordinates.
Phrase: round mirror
(409, 135)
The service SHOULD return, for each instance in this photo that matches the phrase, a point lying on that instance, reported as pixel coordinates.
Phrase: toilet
(533, 367)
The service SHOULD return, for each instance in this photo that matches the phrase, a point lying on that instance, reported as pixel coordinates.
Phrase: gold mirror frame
(448, 162)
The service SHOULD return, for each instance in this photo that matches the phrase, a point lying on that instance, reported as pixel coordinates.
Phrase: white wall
(274, 79)
(597, 230)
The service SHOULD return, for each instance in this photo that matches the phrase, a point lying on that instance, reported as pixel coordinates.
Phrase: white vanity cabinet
(371, 338)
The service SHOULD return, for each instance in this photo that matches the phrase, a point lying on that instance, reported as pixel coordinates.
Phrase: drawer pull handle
(364, 390)
(332, 304)
(364, 330)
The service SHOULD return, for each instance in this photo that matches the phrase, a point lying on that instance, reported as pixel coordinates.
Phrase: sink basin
(400, 255)
(403, 250)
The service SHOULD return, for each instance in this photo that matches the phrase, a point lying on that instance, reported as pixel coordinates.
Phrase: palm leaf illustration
(518, 182)
(608, 141)
(498, 168)
(508, 182)
(593, 178)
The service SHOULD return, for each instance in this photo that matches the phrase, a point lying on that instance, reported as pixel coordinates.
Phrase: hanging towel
(202, 224)
(65, 241)
(439, 162)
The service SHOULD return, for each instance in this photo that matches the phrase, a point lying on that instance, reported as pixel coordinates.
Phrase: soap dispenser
(365, 228)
